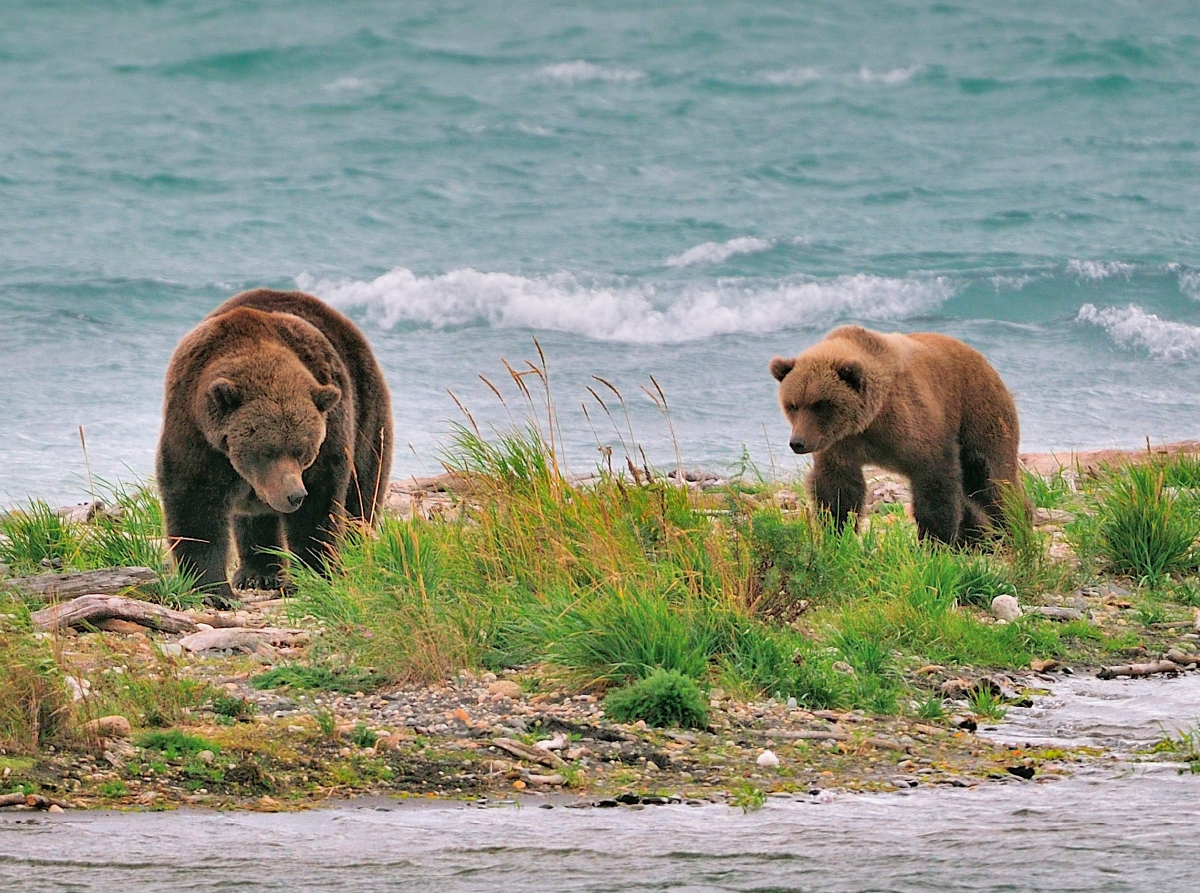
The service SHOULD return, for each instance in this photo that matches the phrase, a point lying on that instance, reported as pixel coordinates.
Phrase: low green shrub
(663, 698)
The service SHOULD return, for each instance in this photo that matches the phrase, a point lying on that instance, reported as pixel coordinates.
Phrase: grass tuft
(663, 698)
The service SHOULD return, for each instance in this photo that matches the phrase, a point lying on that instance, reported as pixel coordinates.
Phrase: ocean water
(664, 195)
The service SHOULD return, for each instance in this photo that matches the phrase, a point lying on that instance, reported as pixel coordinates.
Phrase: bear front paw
(258, 578)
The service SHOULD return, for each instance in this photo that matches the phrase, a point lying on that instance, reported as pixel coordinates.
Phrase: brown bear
(923, 405)
(277, 420)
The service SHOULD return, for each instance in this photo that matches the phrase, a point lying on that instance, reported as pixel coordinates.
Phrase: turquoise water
(648, 189)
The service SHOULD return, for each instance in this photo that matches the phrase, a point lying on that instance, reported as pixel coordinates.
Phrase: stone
(115, 726)
(206, 757)
(1006, 608)
(1055, 613)
(791, 703)
(55, 809)
(767, 760)
(504, 688)
(171, 649)
(841, 666)
(116, 625)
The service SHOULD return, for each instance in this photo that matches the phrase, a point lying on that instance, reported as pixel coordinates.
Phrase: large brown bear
(924, 405)
(276, 419)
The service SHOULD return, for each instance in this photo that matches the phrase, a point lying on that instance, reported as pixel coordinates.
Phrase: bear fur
(923, 405)
(276, 422)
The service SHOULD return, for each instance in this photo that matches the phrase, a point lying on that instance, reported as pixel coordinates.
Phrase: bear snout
(798, 446)
(296, 497)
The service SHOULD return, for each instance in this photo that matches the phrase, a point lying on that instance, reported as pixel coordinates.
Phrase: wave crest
(636, 313)
(719, 252)
(580, 71)
(1133, 327)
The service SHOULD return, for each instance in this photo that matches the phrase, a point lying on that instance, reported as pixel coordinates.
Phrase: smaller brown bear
(276, 421)
(923, 405)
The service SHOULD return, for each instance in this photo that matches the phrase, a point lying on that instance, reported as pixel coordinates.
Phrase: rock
(956, 688)
(1063, 614)
(206, 757)
(1006, 608)
(55, 808)
(80, 688)
(504, 688)
(115, 726)
(116, 625)
(236, 639)
(1057, 517)
(172, 649)
(841, 666)
(767, 760)
(640, 725)
(791, 703)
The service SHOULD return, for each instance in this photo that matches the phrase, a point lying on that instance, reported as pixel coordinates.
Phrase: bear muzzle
(282, 487)
(799, 446)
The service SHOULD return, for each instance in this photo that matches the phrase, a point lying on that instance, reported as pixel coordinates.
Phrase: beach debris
(530, 753)
(90, 610)
(66, 586)
(239, 639)
(1152, 668)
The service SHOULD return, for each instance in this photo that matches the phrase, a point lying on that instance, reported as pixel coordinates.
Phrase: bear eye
(821, 406)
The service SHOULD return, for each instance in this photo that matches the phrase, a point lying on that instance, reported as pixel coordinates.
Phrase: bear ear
(326, 397)
(223, 396)
(852, 374)
(781, 366)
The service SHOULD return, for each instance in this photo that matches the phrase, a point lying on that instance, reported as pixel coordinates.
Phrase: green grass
(606, 584)
(345, 680)
(663, 698)
(1141, 527)
(35, 706)
(127, 532)
(175, 744)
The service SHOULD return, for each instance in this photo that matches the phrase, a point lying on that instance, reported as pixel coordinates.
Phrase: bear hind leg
(258, 536)
(939, 504)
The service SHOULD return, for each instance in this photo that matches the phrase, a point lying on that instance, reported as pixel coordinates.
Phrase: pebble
(504, 688)
(114, 726)
(768, 760)
(1005, 607)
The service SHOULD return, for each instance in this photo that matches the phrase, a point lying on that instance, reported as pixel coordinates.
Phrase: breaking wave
(1099, 269)
(1132, 327)
(719, 252)
(635, 312)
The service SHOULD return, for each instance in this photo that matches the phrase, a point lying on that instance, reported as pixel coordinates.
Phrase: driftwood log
(35, 800)
(527, 752)
(109, 581)
(1135, 670)
(90, 610)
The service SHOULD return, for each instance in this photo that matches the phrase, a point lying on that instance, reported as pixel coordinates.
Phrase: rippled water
(659, 190)
(1114, 827)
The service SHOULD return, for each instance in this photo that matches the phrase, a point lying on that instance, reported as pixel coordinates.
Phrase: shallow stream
(1116, 826)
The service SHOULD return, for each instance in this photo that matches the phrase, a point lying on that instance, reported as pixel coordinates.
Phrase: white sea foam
(1134, 328)
(1099, 269)
(637, 312)
(346, 84)
(1189, 284)
(888, 78)
(718, 252)
(792, 77)
(581, 71)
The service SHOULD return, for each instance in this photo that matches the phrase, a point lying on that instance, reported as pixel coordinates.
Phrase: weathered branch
(1134, 670)
(526, 752)
(89, 610)
(109, 581)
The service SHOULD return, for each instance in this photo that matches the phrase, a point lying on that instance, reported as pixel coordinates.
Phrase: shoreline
(519, 733)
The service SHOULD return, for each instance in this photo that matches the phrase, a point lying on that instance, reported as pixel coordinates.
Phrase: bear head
(267, 413)
(833, 390)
